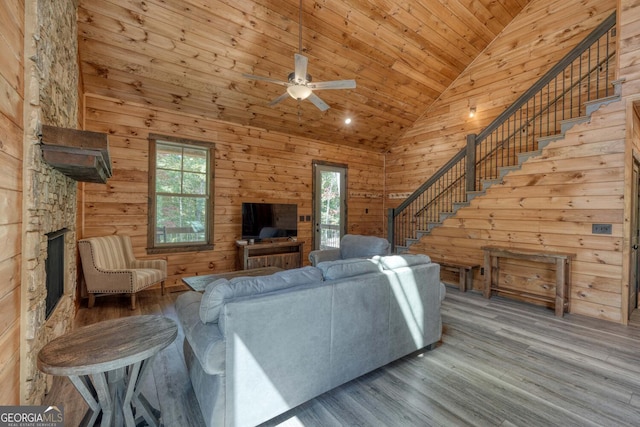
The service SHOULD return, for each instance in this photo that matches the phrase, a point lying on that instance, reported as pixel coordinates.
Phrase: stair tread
(603, 99)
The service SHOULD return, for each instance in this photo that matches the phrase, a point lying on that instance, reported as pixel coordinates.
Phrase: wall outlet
(601, 228)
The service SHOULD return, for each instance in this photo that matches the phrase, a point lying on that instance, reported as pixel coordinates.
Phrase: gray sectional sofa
(256, 347)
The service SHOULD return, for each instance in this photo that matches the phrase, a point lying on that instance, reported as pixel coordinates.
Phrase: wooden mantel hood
(79, 154)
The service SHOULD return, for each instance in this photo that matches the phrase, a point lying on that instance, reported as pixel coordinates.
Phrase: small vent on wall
(79, 154)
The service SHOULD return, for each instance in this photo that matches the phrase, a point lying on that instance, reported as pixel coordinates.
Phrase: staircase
(565, 96)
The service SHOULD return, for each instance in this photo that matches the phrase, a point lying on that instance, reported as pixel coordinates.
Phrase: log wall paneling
(550, 204)
(511, 64)
(552, 201)
(11, 136)
(250, 165)
(402, 54)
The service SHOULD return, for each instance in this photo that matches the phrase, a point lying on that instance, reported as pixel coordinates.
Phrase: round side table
(107, 362)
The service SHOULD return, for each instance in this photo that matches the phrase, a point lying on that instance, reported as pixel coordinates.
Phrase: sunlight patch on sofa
(407, 296)
(249, 371)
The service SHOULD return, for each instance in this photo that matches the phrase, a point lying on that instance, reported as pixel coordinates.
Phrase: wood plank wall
(11, 137)
(552, 201)
(251, 165)
(629, 59)
(536, 39)
(629, 32)
(551, 204)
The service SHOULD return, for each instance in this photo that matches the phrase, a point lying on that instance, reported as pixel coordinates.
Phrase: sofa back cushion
(357, 246)
(392, 262)
(220, 291)
(341, 269)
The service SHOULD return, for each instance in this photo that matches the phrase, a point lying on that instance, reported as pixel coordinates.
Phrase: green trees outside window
(181, 188)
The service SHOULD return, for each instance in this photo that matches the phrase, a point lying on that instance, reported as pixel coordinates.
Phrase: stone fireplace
(49, 197)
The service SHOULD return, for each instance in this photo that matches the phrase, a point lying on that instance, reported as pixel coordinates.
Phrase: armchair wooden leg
(162, 287)
(92, 300)
(133, 301)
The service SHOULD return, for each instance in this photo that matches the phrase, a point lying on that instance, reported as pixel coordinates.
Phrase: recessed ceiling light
(347, 120)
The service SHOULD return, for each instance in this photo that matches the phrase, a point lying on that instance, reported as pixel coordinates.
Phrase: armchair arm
(318, 256)
(109, 281)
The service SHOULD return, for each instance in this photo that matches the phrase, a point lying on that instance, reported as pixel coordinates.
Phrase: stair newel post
(470, 167)
(391, 229)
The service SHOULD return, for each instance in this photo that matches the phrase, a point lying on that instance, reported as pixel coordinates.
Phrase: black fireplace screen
(54, 269)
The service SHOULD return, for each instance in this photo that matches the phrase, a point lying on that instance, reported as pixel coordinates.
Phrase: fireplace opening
(54, 269)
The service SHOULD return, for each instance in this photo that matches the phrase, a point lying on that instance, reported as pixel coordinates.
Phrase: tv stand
(285, 254)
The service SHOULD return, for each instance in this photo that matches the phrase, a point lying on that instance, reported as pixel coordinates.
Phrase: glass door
(329, 204)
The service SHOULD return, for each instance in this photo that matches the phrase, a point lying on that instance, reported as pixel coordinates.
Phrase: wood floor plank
(500, 363)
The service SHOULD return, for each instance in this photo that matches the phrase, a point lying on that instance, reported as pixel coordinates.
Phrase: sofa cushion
(358, 246)
(391, 262)
(222, 290)
(347, 268)
(205, 340)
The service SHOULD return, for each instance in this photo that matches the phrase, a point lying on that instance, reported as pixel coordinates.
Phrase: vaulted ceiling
(190, 56)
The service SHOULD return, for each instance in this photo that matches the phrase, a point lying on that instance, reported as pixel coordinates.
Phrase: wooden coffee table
(116, 354)
(199, 283)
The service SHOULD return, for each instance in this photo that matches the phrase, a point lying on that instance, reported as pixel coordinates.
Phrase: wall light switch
(601, 228)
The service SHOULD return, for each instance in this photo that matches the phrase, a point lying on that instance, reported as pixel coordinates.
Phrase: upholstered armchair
(109, 267)
(352, 246)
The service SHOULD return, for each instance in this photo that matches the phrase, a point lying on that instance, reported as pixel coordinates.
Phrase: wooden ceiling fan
(299, 85)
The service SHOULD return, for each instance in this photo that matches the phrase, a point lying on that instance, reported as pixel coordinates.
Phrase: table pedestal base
(115, 394)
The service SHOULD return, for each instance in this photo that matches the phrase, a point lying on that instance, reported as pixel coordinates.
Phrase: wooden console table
(561, 260)
(283, 254)
(116, 354)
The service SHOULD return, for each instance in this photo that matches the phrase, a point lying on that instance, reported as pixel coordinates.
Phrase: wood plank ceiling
(190, 55)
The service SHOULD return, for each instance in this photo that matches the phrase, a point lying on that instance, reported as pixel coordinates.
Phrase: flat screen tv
(269, 220)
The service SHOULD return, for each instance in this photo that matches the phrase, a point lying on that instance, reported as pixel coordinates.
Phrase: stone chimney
(49, 197)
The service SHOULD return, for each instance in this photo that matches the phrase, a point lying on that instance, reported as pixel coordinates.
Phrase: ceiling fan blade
(266, 79)
(318, 102)
(279, 99)
(335, 84)
(301, 67)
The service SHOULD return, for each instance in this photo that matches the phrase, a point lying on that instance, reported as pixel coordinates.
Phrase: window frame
(152, 247)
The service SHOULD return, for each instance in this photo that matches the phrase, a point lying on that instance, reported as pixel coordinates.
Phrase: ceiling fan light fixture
(299, 92)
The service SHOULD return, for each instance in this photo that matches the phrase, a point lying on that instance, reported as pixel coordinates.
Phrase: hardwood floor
(500, 363)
